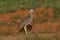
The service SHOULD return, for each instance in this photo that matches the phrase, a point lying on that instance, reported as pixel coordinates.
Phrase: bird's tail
(19, 26)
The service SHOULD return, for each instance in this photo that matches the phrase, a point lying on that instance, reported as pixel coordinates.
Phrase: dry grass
(44, 36)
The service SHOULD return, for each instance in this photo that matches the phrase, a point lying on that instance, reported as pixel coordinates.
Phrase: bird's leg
(25, 29)
(26, 32)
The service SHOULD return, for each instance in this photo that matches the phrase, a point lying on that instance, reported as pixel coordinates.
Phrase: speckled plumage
(27, 20)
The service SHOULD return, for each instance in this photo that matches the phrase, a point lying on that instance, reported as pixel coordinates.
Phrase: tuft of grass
(2, 23)
(44, 36)
(56, 13)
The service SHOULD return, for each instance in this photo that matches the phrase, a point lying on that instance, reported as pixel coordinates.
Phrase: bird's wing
(23, 21)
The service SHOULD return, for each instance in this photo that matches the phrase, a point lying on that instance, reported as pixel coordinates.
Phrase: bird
(26, 21)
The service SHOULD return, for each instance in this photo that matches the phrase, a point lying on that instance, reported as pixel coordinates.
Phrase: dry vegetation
(45, 24)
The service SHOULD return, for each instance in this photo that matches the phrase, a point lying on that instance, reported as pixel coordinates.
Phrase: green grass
(12, 5)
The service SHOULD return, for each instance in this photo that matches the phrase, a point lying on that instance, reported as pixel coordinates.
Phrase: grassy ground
(12, 5)
(10, 20)
(35, 36)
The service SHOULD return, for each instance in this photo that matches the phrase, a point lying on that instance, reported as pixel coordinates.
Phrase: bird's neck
(31, 15)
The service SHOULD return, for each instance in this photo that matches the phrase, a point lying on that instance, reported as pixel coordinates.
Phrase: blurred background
(45, 24)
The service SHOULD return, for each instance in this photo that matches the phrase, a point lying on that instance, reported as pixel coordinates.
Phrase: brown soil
(36, 27)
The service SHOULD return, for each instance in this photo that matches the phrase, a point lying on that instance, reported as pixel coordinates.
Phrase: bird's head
(31, 11)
